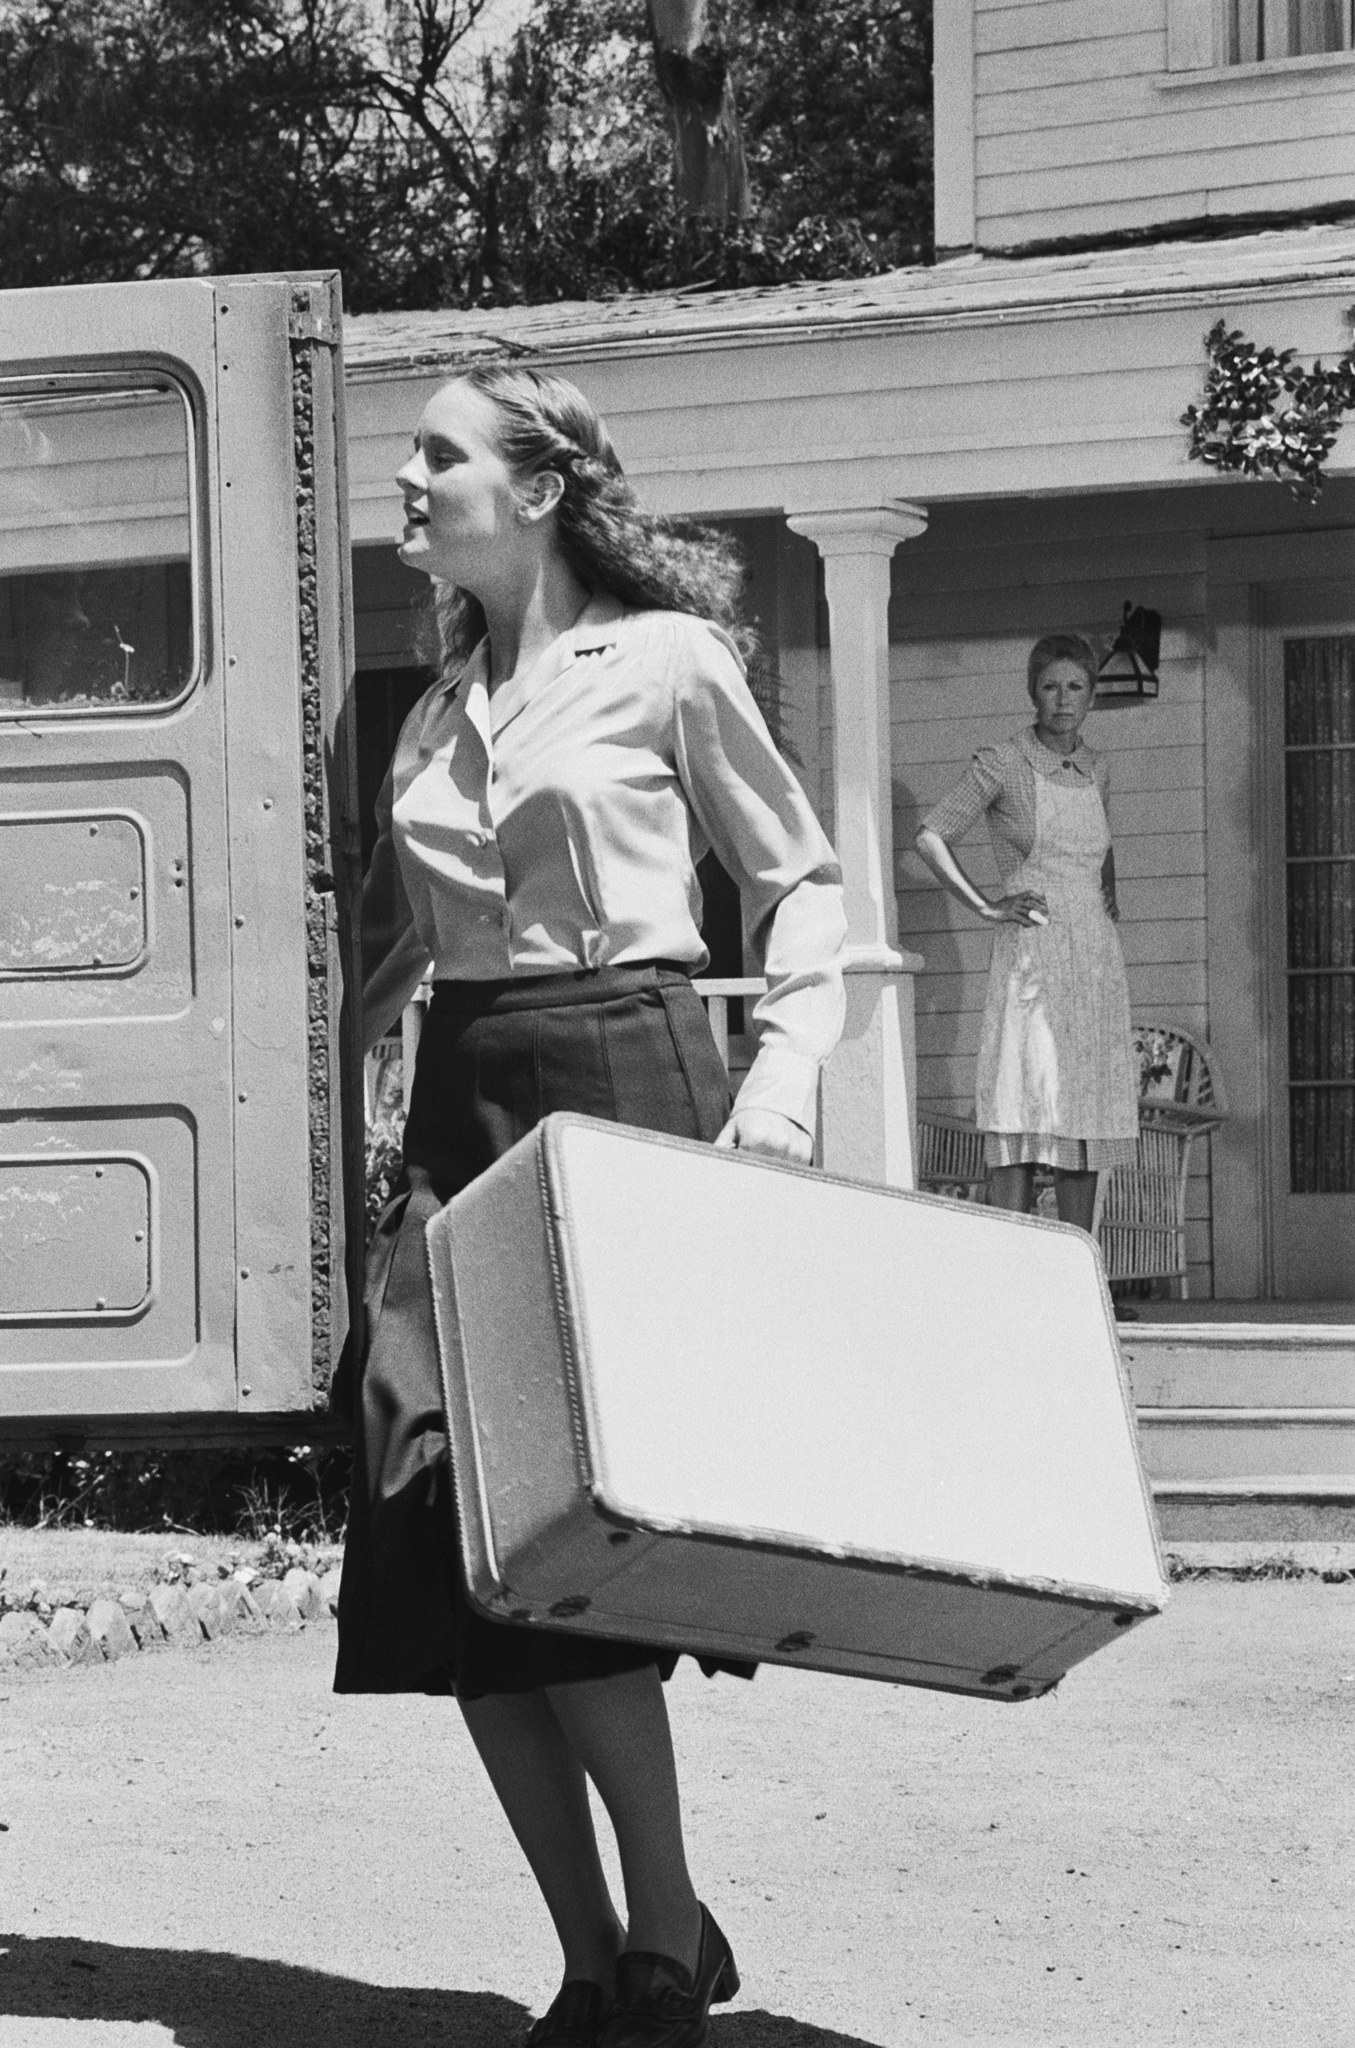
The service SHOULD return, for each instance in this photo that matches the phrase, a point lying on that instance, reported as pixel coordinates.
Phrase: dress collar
(1082, 759)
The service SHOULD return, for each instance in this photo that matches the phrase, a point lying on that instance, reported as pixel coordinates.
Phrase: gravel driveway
(208, 1848)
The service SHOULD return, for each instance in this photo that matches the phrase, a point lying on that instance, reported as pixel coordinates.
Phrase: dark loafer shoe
(660, 2004)
(574, 2019)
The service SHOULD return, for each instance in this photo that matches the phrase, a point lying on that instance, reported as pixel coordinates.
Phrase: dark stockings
(1013, 1187)
(539, 1749)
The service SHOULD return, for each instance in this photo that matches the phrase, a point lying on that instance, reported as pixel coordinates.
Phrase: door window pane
(1319, 779)
(97, 572)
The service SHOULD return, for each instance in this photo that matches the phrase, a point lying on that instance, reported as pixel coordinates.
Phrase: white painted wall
(1096, 116)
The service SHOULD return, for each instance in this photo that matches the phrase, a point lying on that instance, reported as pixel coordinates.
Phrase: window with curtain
(1261, 29)
(1319, 734)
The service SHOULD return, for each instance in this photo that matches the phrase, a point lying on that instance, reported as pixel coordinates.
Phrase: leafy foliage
(438, 165)
(840, 161)
(1265, 415)
(300, 1491)
(385, 1162)
(182, 136)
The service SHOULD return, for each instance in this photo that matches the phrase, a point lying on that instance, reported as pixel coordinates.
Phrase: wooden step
(1274, 1512)
(1243, 1443)
(1247, 1429)
(1240, 1365)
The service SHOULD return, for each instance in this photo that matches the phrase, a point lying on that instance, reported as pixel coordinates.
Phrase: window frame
(114, 379)
(1197, 34)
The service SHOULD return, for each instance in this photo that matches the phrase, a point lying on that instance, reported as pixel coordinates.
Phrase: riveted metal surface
(75, 1237)
(72, 893)
(94, 1176)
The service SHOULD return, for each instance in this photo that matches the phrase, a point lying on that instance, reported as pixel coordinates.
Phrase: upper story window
(98, 568)
(1259, 31)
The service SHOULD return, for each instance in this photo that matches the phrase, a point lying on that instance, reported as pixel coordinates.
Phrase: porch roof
(982, 377)
(966, 289)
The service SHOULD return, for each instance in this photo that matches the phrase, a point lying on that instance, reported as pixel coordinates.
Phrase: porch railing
(738, 994)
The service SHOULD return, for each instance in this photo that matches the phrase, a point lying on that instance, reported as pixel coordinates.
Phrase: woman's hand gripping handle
(768, 1133)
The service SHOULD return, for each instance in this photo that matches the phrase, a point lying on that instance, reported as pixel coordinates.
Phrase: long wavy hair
(608, 538)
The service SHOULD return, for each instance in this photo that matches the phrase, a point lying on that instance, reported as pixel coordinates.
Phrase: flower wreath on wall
(1264, 415)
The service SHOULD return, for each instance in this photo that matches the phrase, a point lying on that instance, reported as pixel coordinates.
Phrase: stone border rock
(100, 1625)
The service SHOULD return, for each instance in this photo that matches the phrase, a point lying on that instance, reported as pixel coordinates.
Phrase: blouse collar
(597, 627)
(1044, 762)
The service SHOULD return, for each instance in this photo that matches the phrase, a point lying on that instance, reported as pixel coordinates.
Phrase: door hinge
(306, 322)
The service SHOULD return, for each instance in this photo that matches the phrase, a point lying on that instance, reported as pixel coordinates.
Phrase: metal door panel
(75, 900)
(143, 805)
(75, 1237)
(163, 995)
(145, 1351)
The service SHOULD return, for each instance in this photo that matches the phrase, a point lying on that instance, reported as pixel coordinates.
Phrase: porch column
(869, 1085)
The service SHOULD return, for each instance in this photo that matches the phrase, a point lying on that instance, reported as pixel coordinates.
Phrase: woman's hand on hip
(1027, 906)
(768, 1133)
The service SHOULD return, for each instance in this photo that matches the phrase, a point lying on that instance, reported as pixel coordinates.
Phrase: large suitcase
(710, 1402)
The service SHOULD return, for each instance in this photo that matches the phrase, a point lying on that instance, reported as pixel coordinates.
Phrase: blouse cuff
(785, 1081)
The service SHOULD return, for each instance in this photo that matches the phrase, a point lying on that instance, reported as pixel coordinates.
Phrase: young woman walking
(590, 735)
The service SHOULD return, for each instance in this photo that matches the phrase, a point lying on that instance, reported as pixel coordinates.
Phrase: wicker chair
(1141, 1219)
(950, 1157)
(1141, 1209)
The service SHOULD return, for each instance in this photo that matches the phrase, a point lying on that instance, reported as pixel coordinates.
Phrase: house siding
(1082, 130)
(386, 600)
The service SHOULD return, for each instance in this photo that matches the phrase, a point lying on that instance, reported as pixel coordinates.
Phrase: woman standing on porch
(590, 735)
(1057, 1080)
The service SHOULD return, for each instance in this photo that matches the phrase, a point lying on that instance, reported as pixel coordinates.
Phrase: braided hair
(609, 539)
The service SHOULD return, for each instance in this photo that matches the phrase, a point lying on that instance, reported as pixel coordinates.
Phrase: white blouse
(556, 824)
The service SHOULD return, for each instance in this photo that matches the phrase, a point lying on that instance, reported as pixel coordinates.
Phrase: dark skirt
(629, 1044)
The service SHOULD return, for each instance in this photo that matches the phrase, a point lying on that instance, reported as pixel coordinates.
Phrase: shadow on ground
(208, 2000)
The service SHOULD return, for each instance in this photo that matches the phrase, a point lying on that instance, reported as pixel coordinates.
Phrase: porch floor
(1291, 1313)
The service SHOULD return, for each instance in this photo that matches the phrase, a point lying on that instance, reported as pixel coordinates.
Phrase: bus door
(179, 1154)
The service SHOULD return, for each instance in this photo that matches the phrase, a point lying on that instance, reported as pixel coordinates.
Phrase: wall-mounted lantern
(1128, 674)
